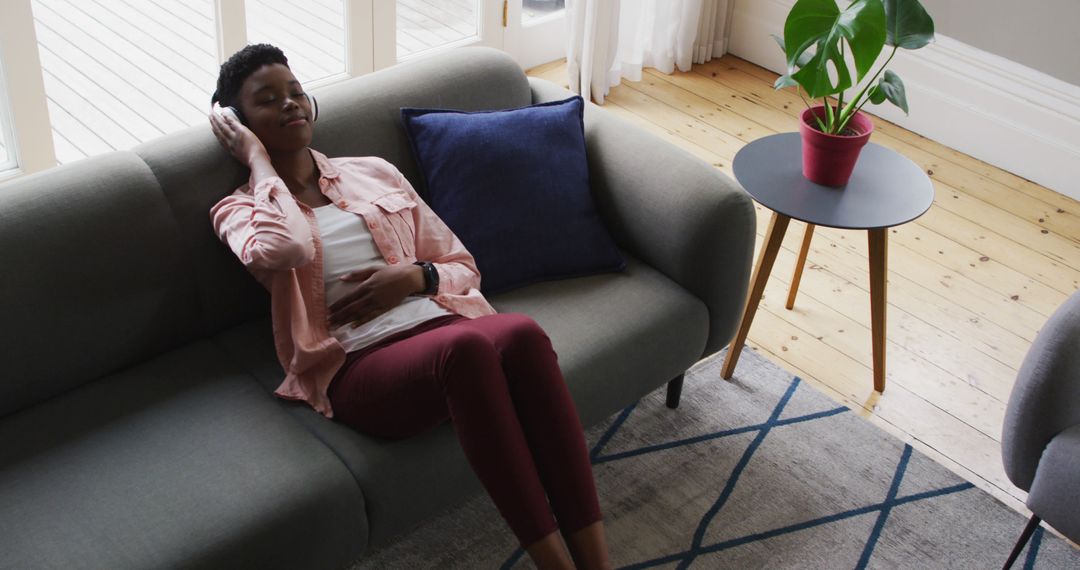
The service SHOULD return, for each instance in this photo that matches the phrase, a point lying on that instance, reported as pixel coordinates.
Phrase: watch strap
(431, 277)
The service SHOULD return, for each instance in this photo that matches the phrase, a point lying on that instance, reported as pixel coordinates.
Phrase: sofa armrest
(671, 210)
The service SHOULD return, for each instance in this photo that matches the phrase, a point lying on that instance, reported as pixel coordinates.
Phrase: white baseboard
(991, 108)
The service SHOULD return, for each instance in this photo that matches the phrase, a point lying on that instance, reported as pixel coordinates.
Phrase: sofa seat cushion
(618, 337)
(182, 461)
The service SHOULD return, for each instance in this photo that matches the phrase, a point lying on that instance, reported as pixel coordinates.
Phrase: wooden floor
(121, 72)
(970, 283)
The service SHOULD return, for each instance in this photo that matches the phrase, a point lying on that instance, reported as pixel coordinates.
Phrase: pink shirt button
(371, 225)
(441, 297)
(392, 259)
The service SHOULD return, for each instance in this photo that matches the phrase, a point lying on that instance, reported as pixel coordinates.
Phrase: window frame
(27, 112)
(10, 159)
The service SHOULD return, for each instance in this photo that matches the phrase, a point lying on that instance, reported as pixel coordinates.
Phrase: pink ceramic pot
(829, 159)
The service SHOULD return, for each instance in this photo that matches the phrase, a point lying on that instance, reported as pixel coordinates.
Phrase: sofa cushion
(514, 186)
(618, 337)
(183, 461)
(194, 173)
(93, 269)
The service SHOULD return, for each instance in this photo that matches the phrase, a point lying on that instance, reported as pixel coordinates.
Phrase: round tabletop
(886, 189)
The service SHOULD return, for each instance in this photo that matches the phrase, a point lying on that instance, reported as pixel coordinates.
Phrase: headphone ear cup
(239, 116)
(314, 107)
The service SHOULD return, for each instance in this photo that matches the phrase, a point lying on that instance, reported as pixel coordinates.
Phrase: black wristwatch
(431, 277)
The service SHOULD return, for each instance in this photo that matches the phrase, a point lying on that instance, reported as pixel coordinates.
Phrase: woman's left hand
(379, 290)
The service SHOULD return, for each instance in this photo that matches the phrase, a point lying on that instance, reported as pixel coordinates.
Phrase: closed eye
(273, 99)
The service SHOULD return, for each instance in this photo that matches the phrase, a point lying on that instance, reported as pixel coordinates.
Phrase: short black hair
(239, 66)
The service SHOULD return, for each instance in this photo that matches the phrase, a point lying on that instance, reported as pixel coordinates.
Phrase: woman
(378, 322)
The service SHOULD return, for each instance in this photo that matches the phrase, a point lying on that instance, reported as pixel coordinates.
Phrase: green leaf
(893, 88)
(784, 81)
(821, 24)
(807, 21)
(876, 96)
(863, 25)
(803, 58)
(908, 24)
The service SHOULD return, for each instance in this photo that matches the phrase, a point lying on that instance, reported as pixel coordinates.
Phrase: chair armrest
(1045, 399)
(671, 210)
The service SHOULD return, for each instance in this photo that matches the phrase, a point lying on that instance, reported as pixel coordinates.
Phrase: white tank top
(348, 246)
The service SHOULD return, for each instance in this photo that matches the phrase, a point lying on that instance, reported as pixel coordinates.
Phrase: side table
(886, 189)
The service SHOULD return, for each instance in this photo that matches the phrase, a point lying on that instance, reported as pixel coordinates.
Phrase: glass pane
(7, 161)
(534, 9)
(119, 73)
(312, 34)
(426, 24)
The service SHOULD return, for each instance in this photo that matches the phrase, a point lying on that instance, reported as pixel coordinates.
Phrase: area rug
(761, 471)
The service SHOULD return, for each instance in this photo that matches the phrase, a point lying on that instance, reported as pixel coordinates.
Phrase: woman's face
(276, 109)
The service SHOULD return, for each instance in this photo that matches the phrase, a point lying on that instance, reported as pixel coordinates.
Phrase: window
(123, 72)
(422, 25)
(100, 75)
(312, 34)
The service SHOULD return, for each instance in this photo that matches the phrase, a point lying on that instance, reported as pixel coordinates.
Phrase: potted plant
(818, 40)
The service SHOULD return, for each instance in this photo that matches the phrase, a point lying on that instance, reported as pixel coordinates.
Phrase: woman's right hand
(241, 143)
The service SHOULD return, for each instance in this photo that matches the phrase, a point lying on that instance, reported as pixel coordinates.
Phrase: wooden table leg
(797, 275)
(879, 259)
(771, 246)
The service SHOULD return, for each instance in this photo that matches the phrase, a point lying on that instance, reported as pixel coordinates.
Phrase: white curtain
(593, 39)
(714, 30)
(612, 39)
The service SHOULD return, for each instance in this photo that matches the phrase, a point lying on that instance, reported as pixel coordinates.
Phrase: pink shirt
(277, 239)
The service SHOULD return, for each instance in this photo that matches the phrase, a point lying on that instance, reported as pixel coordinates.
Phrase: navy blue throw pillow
(513, 185)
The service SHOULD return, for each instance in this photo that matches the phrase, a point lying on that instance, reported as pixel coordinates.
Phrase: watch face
(433, 277)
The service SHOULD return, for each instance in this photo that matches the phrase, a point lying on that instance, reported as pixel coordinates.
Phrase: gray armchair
(1041, 440)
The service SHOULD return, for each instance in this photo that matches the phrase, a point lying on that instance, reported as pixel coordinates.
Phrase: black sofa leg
(1024, 538)
(674, 390)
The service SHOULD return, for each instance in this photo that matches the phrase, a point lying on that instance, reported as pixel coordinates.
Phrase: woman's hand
(241, 143)
(380, 289)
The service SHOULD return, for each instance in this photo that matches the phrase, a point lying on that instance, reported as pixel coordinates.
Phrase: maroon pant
(497, 379)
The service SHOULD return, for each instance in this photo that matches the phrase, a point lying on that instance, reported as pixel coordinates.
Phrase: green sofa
(136, 413)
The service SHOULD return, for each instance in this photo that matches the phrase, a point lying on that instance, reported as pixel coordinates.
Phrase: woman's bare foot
(550, 553)
(589, 548)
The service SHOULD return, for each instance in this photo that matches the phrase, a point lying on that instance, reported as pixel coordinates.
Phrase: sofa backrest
(112, 260)
(362, 116)
(93, 276)
(194, 173)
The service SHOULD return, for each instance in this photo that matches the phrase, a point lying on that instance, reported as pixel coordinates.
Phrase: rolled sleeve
(436, 242)
(265, 227)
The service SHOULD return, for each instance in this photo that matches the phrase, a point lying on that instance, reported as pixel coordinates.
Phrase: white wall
(1040, 34)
